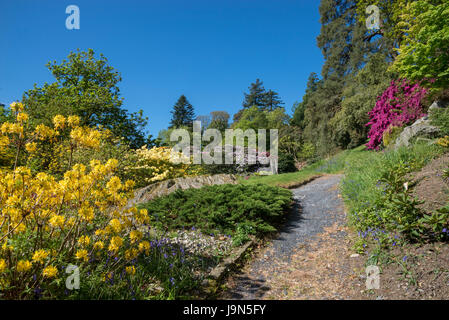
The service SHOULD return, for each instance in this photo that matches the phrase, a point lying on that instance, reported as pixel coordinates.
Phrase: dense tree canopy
(424, 52)
(361, 92)
(88, 87)
(219, 120)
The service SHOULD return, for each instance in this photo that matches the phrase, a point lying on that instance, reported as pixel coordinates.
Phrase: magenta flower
(400, 104)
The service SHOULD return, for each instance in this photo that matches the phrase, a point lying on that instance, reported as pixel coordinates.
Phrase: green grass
(380, 209)
(283, 180)
(360, 185)
(335, 164)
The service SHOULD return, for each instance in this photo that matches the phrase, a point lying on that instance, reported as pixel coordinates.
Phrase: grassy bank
(332, 165)
(379, 205)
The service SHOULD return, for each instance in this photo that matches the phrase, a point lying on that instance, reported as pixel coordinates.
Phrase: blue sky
(209, 50)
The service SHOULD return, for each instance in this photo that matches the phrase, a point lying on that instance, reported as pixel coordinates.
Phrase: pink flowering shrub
(400, 104)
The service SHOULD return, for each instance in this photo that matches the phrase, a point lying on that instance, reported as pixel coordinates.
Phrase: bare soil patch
(431, 186)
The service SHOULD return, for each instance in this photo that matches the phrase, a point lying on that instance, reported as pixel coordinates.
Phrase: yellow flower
(131, 254)
(57, 221)
(444, 142)
(4, 141)
(129, 184)
(131, 270)
(144, 246)
(23, 266)
(86, 213)
(84, 241)
(2, 265)
(59, 122)
(81, 255)
(22, 117)
(100, 232)
(43, 132)
(115, 244)
(135, 236)
(86, 137)
(5, 127)
(50, 272)
(111, 165)
(16, 106)
(5, 246)
(39, 256)
(108, 276)
(114, 184)
(116, 225)
(73, 121)
(71, 222)
(98, 245)
(31, 147)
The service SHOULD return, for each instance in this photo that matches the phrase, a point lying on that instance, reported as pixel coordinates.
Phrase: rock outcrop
(421, 128)
(166, 187)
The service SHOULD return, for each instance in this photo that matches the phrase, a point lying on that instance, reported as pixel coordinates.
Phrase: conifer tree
(182, 113)
(271, 100)
(256, 95)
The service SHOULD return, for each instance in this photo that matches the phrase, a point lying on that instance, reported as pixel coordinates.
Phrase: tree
(256, 95)
(205, 121)
(3, 113)
(163, 137)
(389, 35)
(277, 118)
(321, 106)
(298, 108)
(87, 87)
(271, 100)
(255, 118)
(182, 113)
(424, 53)
(346, 50)
(252, 118)
(361, 92)
(219, 120)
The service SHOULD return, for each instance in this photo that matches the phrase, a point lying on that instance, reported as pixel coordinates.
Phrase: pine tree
(271, 100)
(345, 50)
(256, 95)
(182, 113)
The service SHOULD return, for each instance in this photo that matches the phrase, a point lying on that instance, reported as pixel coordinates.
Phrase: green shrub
(440, 117)
(306, 152)
(391, 134)
(380, 203)
(236, 210)
(286, 163)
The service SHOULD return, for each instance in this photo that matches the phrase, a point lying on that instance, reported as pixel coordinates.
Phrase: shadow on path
(317, 206)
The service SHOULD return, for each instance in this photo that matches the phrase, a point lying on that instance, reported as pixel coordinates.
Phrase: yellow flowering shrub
(444, 142)
(155, 164)
(48, 222)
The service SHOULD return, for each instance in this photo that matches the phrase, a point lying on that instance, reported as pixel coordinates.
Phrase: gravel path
(317, 206)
